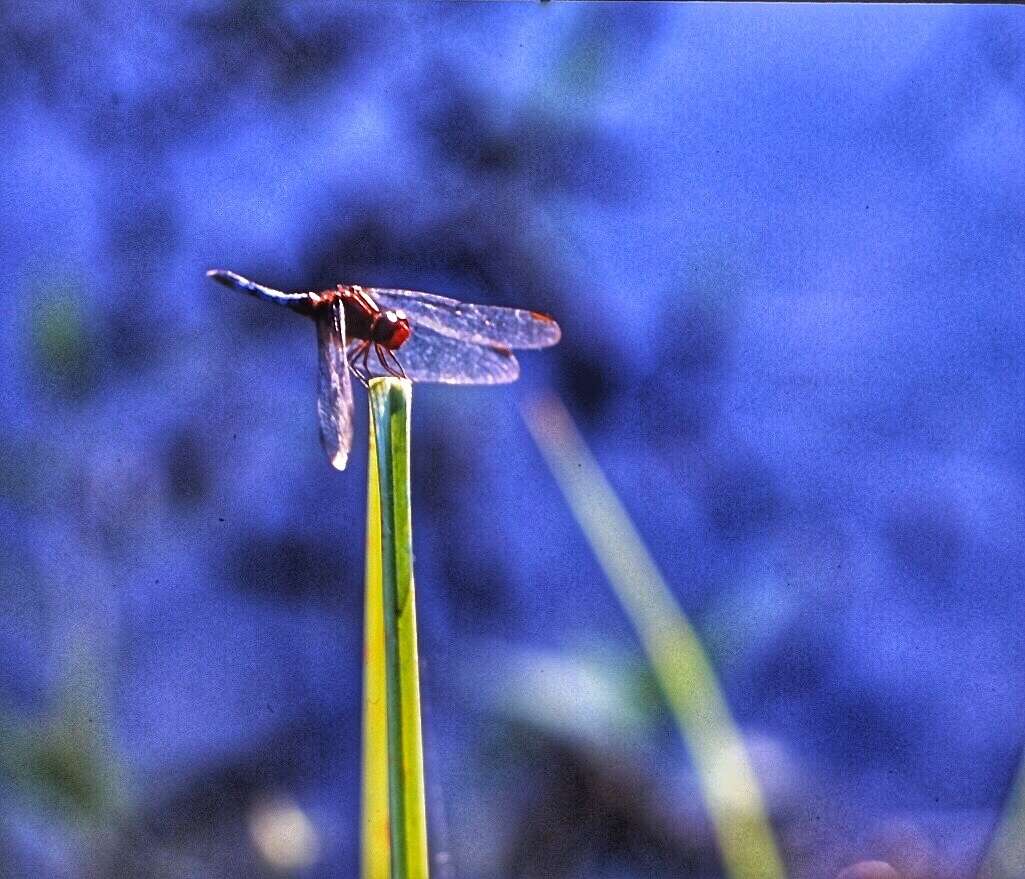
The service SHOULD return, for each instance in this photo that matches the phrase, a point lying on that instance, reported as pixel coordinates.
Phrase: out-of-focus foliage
(63, 763)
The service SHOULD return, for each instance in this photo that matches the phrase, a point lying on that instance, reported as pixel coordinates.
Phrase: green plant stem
(407, 822)
(375, 845)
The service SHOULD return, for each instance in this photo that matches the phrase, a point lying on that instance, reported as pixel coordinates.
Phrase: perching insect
(419, 336)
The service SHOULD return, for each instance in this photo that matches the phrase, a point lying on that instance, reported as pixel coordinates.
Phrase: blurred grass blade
(1005, 858)
(728, 782)
(392, 749)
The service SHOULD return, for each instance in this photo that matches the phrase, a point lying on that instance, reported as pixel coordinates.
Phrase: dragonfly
(368, 331)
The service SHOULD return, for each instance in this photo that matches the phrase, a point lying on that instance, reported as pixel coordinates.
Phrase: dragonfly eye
(391, 328)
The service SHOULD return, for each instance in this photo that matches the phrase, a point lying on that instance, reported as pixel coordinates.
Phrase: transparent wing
(334, 397)
(237, 282)
(489, 325)
(431, 357)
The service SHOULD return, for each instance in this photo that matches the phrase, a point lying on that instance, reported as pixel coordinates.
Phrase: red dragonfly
(419, 336)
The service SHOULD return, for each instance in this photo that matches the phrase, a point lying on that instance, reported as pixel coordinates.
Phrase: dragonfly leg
(383, 354)
(379, 350)
(362, 379)
(398, 364)
(356, 352)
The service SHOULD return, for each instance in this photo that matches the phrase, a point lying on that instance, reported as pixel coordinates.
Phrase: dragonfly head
(391, 329)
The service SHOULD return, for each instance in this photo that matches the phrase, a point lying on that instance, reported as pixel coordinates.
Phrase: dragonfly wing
(489, 325)
(334, 397)
(429, 356)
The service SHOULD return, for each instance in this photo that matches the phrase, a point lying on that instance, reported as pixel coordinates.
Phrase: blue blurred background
(785, 247)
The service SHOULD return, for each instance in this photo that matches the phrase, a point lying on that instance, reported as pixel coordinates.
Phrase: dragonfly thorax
(364, 318)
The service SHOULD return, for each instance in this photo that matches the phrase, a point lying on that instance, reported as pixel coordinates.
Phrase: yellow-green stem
(397, 765)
